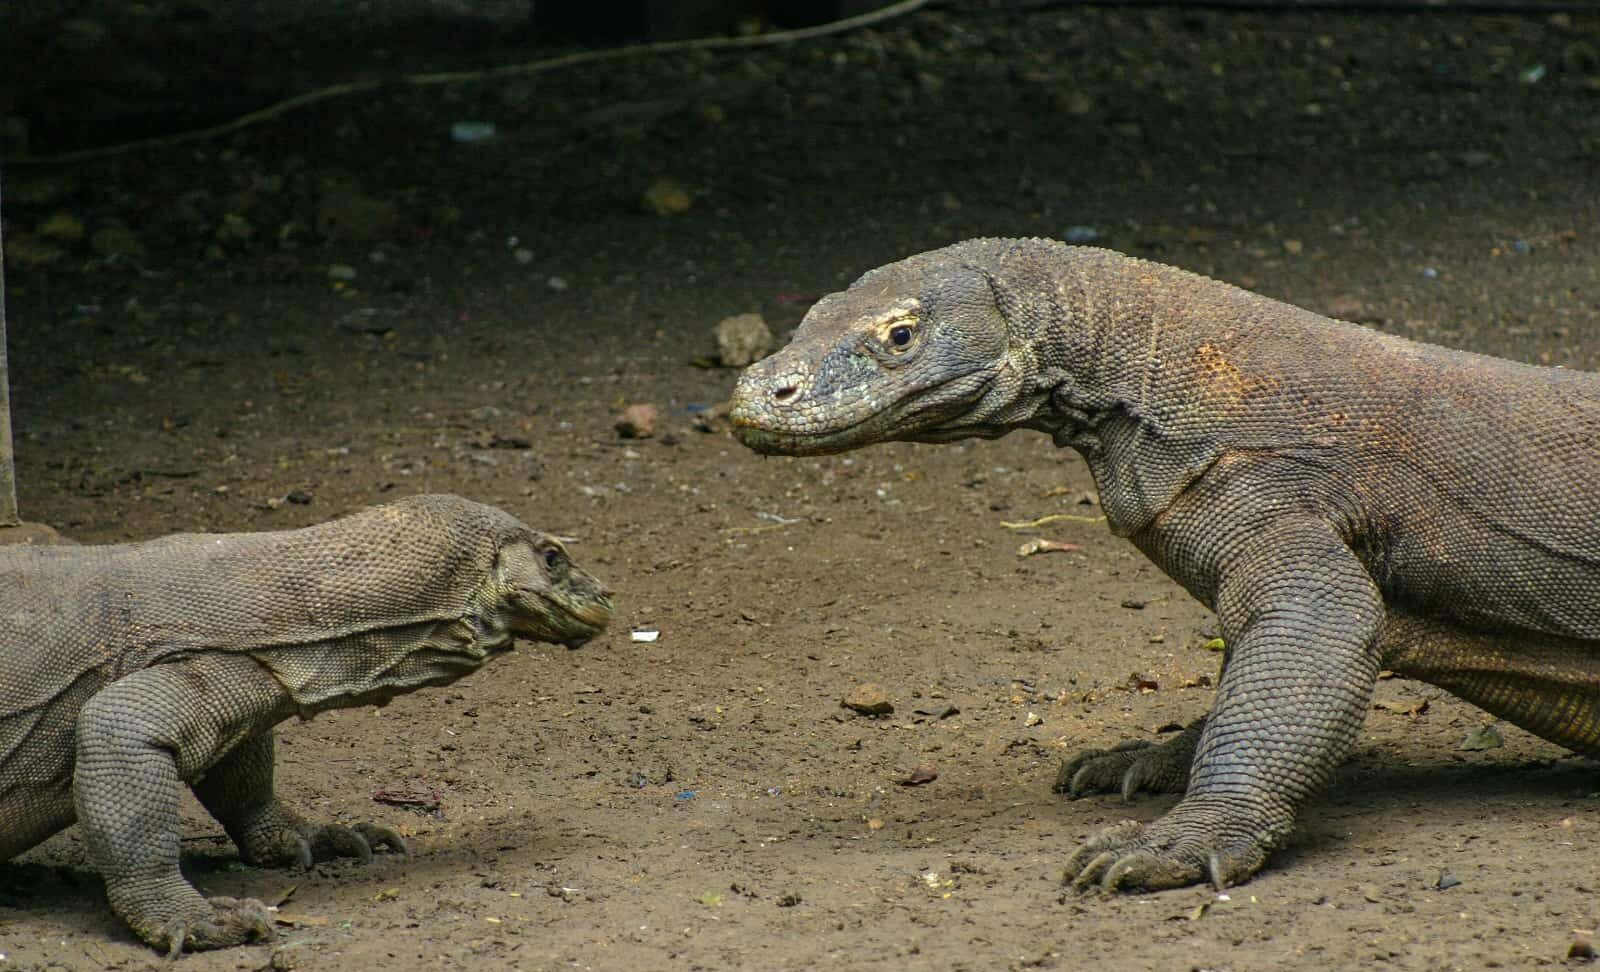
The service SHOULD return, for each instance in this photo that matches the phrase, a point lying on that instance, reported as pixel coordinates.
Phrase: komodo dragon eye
(900, 335)
(552, 557)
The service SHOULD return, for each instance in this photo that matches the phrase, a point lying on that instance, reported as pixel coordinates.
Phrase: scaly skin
(1345, 500)
(128, 671)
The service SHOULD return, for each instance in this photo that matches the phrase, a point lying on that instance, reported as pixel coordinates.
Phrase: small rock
(1447, 881)
(742, 339)
(61, 225)
(1347, 307)
(922, 774)
(1080, 234)
(234, 228)
(344, 214)
(1034, 719)
(1582, 949)
(31, 535)
(298, 497)
(789, 900)
(468, 132)
(869, 700)
(637, 422)
(1075, 103)
(666, 197)
(1133, 604)
(1485, 736)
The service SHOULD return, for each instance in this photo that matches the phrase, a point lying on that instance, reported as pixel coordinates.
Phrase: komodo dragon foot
(1218, 838)
(1131, 766)
(207, 923)
(279, 837)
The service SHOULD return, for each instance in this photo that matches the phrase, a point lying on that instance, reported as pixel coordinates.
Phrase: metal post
(8, 465)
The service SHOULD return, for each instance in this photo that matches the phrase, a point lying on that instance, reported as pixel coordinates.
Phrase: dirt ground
(343, 306)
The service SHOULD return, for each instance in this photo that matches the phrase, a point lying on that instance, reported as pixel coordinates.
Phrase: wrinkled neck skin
(374, 666)
(1090, 344)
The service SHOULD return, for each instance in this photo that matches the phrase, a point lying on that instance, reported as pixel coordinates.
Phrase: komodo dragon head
(918, 350)
(546, 596)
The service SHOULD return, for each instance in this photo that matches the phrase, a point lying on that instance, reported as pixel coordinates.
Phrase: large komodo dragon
(1345, 500)
(126, 670)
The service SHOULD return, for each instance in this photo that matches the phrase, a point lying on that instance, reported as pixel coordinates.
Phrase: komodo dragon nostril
(784, 393)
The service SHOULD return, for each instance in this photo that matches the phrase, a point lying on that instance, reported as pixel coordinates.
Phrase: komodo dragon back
(73, 613)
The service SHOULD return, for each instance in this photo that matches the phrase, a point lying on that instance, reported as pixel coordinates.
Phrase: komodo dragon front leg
(238, 792)
(1301, 617)
(203, 720)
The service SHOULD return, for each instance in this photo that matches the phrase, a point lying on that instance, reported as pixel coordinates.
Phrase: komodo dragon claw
(234, 921)
(299, 844)
(1198, 840)
(332, 840)
(1131, 766)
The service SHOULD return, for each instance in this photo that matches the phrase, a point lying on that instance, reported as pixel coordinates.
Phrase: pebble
(868, 699)
(666, 197)
(1485, 736)
(345, 214)
(468, 132)
(742, 339)
(637, 421)
(61, 225)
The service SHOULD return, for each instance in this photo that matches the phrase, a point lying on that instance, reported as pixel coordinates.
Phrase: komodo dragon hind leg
(1132, 766)
(238, 792)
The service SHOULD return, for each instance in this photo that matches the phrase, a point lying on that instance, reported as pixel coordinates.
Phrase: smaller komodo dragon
(128, 669)
(1345, 500)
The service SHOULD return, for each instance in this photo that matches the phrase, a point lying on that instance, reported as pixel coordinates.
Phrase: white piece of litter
(646, 635)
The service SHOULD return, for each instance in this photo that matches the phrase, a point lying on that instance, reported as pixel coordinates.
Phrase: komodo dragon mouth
(910, 418)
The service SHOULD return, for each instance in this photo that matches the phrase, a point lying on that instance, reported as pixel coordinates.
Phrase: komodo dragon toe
(212, 923)
(1211, 838)
(1130, 767)
(288, 841)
